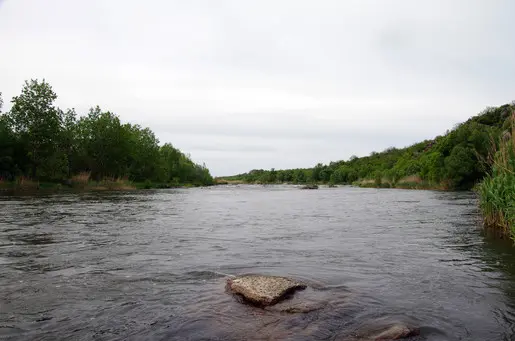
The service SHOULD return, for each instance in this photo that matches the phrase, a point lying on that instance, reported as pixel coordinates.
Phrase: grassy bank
(409, 182)
(83, 183)
(223, 181)
(29, 186)
(497, 191)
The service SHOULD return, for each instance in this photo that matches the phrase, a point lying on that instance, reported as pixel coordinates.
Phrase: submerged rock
(396, 331)
(298, 308)
(309, 187)
(263, 290)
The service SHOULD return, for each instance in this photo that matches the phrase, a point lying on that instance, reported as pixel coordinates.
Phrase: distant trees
(458, 159)
(41, 141)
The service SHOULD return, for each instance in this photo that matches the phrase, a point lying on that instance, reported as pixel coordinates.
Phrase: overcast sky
(259, 84)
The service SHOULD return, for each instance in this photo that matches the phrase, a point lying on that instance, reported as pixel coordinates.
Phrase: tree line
(42, 142)
(459, 159)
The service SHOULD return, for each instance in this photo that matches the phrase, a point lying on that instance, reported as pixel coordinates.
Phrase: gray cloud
(261, 84)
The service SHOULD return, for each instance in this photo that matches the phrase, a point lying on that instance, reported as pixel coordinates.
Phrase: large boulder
(263, 290)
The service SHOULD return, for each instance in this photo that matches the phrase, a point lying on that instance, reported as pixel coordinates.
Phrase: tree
(460, 166)
(299, 176)
(105, 144)
(431, 165)
(170, 157)
(69, 140)
(315, 175)
(144, 154)
(7, 144)
(37, 122)
(39, 140)
(273, 176)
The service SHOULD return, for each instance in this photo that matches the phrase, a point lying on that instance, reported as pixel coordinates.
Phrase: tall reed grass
(80, 180)
(497, 191)
(113, 183)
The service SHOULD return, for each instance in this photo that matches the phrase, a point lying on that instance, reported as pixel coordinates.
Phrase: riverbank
(32, 187)
(410, 182)
(222, 181)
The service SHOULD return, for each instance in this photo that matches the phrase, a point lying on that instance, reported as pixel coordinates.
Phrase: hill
(456, 160)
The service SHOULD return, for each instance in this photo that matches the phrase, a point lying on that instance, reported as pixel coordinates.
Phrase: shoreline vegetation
(45, 148)
(478, 154)
(497, 190)
(26, 186)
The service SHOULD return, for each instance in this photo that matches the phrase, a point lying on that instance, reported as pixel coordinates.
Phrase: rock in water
(395, 331)
(263, 290)
(299, 308)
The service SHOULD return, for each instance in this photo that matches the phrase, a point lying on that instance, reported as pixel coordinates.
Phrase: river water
(152, 265)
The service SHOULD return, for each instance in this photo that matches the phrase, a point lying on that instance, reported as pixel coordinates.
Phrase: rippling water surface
(152, 265)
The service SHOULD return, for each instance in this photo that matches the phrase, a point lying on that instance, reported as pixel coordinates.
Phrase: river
(152, 265)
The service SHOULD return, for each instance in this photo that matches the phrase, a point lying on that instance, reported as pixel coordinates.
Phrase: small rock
(263, 290)
(309, 187)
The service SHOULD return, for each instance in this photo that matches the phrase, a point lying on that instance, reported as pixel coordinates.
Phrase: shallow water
(152, 265)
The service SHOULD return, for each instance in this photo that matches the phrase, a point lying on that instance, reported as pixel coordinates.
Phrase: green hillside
(456, 160)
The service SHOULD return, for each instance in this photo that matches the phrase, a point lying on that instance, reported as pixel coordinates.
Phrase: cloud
(243, 84)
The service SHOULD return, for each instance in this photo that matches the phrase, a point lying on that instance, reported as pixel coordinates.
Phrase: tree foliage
(43, 142)
(459, 159)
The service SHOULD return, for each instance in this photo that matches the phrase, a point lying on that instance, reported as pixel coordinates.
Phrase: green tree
(431, 166)
(37, 123)
(39, 140)
(273, 176)
(316, 172)
(68, 139)
(144, 154)
(105, 144)
(460, 166)
(299, 176)
(7, 148)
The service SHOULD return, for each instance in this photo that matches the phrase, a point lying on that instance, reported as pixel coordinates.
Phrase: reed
(119, 183)
(81, 180)
(26, 183)
(497, 190)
